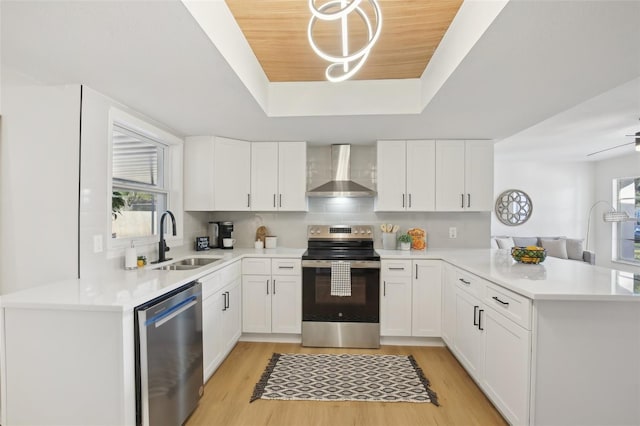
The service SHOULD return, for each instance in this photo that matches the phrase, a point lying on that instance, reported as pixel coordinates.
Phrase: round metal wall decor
(513, 207)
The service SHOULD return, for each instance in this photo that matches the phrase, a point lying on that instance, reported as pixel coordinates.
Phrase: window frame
(616, 233)
(172, 178)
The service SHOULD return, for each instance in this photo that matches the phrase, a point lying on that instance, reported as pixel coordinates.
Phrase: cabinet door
(256, 303)
(478, 175)
(469, 338)
(212, 308)
(395, 314)
(264, 176)
(232, 174)
(506, 366)
(286, 304)
(426, 298)
(450, 163)
(448, 306)
(292, 176)
(231, 316)
(421, 175)
(198, 173)
(391, 163)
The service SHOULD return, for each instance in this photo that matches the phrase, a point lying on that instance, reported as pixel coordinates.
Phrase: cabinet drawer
(396, 268)
(231, 273)
(256, 266)
(469, 282)
(285, 266)
(512, 305)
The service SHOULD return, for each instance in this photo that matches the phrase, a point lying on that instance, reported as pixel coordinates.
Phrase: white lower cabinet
(221, 316)
(395, 300)
(271, 295)
(491, 339)
(410, 298)
(426, 306)
(448, 330)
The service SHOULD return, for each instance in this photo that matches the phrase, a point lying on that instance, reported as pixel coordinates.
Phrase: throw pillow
(505, 243)
(575, 248)
(525, 241)
(555, 248)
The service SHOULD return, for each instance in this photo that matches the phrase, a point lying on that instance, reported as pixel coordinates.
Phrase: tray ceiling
(276, 30)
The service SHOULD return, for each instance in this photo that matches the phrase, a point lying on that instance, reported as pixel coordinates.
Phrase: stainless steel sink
(189, 263)
(194, 261)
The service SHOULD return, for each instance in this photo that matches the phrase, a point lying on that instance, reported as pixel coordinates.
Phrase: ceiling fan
(636, 142)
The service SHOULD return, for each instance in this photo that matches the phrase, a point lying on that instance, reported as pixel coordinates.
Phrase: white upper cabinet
(217, 174)
(231, 174)
(292, 176)
(406, 175)
(198, 173)
(464, 175)
(264, 176)
(278, 176)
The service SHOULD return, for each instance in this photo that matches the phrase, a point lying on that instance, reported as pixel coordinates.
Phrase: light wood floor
(226, 396)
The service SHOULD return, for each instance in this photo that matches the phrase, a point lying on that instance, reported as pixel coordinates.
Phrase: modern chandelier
(346, 65)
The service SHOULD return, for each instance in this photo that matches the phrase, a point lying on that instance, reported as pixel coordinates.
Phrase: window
(139, 194)
(628, 233)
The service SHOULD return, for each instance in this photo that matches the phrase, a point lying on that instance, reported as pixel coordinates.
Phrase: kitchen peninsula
(547, 343)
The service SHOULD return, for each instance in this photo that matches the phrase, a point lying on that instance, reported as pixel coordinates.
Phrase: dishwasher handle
(172, 312)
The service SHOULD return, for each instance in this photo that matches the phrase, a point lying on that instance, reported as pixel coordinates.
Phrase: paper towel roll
(130, 258)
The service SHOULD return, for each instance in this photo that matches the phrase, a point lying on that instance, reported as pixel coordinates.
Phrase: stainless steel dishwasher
(168, 333)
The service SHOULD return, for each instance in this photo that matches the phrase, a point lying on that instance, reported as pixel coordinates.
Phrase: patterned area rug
(344, 377)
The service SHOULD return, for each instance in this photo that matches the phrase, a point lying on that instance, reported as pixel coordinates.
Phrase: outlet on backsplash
(453, 232)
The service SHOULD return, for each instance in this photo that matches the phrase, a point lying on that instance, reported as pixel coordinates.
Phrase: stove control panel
(340, 232)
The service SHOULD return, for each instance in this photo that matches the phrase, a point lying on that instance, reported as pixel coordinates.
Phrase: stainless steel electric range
(340, 287)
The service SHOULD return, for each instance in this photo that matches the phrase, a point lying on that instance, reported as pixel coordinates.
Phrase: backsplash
(473, 229)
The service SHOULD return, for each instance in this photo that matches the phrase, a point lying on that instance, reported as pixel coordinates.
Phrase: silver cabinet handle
(248, 200)
(274, 287)
(267, 286)
(409, 200)
(274, 200)
(396, 269)
(402, 200)
(384, 288)
(468, 200)
(285, 267)
(463, 281)
(416, 272)
(280, 200)
(462, 200)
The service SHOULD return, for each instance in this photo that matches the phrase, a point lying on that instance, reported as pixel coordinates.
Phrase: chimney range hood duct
(341, 184)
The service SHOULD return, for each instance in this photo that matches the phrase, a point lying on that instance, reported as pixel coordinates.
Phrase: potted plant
(405, 241)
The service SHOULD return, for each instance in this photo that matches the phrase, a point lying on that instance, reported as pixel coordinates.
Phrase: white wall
(605, 172)
(561, 193)
(39, 177)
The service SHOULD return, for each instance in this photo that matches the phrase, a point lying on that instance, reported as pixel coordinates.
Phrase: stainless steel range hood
(341, 184)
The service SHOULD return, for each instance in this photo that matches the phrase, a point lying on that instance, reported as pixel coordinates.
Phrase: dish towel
(340, 278)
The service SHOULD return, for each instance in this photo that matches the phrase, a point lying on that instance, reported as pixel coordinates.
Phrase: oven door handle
(354, 264)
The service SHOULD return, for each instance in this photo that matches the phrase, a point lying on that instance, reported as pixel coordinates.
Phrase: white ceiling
(536, 60)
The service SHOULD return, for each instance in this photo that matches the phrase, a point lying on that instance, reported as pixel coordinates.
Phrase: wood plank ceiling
(277, 32)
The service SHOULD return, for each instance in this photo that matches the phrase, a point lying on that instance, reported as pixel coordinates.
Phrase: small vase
(405, 246)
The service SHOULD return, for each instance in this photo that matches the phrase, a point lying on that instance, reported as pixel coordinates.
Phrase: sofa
(559, 247)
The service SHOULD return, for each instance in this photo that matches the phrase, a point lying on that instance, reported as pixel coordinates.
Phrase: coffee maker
(224, 231)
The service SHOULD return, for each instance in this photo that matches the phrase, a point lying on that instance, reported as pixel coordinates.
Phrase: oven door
(319, 305)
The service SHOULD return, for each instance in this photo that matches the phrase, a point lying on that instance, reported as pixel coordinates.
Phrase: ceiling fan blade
(609, 149)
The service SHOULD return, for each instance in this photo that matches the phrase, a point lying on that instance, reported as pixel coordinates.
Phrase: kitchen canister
(130, 258)
(389, 240)
(270, 242)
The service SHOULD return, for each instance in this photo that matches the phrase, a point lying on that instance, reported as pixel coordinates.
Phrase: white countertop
(121, 290)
